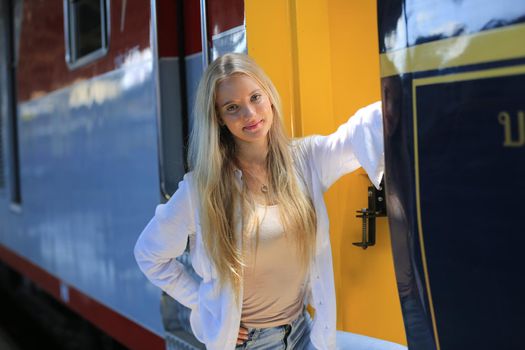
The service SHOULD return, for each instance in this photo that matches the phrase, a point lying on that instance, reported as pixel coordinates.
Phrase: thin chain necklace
(264, 187)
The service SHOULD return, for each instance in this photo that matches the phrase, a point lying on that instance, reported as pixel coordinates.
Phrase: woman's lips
(253, 127)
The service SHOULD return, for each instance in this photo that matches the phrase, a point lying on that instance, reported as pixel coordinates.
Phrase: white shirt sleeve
(162, 240)
(356, 143)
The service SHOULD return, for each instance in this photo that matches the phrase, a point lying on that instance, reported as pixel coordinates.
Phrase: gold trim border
(482, 74)
(486, 46)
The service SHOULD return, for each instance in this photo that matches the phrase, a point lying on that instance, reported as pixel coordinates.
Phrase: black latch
(376, 208)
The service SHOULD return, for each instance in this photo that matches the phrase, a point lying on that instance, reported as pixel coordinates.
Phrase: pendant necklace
(264, 187)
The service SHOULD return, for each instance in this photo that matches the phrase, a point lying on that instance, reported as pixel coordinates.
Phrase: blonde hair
(212, 159)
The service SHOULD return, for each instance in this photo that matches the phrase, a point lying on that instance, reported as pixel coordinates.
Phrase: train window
(86, 30)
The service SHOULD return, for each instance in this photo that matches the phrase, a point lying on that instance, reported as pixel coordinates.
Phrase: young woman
(252, 208)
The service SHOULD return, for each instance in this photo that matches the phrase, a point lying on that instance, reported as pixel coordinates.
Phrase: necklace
(264, 187)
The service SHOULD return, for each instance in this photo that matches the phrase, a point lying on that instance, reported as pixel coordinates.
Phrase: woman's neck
(251, 155)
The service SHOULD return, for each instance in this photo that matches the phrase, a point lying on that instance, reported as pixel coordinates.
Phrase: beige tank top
(273, 285)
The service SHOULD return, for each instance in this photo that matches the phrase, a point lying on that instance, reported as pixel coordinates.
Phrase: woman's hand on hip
(243, 335)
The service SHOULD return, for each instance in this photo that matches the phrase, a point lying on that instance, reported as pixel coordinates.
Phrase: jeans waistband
(286, 325)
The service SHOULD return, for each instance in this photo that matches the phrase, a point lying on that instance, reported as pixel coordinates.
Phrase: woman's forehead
(236, 86)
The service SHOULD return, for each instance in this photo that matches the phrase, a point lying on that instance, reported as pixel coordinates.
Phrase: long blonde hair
(212, 159)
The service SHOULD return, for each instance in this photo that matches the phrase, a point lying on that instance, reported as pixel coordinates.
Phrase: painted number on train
(513, 128)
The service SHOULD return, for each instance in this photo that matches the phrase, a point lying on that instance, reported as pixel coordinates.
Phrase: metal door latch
(376, 208)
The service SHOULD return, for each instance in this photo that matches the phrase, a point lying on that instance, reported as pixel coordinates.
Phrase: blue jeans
(295, 335)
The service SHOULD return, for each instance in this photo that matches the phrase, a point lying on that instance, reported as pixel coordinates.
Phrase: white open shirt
(215, 315)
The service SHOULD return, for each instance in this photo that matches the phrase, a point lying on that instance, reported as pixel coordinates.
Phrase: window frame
(70, 37)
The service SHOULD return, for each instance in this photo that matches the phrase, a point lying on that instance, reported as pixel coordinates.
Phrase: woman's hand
(243, 335)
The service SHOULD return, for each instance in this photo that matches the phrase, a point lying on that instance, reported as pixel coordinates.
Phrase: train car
(95, 113)
(452, 78)
(93, 96)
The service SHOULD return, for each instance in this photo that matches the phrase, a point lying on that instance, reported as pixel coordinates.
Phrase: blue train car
(94, 100)
(452, 81)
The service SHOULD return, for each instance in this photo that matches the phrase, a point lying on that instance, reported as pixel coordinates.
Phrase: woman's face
(244, 108)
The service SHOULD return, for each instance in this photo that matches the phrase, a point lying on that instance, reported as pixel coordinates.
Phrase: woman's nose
(249, 111)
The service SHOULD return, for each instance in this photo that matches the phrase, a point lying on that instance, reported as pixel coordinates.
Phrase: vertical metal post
(12, 106)
(204, 35)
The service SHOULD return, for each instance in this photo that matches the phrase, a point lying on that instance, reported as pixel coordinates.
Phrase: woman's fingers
(243, 331)
(243, 335)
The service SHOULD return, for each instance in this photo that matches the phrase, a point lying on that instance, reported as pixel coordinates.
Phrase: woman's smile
(253, 127)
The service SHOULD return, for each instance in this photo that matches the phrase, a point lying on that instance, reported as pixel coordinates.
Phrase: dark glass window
(86, 26)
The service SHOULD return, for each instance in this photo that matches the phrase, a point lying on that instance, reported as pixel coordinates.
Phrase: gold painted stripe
(419, 224)
(487, 46)
(481, 74)
(489, 73)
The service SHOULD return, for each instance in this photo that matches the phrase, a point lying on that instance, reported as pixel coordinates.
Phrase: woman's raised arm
(164, 239)
(356, 143)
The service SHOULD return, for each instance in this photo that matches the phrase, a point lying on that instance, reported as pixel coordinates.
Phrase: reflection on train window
(86, 30)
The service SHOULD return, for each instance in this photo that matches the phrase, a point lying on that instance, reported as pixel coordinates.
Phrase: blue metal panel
(454, 178)
(470, 184)
(193, 76)
(412, 22)
(400, 193)
(439, 19)
(90, 182)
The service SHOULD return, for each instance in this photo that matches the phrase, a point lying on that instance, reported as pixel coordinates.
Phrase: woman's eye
(231, 108)
(256, 97)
